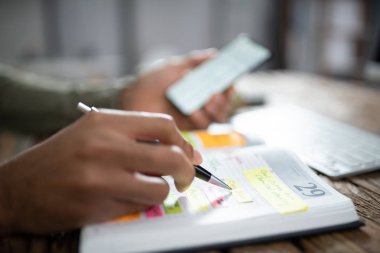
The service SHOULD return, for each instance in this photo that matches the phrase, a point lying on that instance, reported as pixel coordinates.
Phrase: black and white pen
(206, 175)
(200, 172)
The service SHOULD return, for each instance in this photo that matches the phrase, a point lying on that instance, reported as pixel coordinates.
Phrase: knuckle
(154, 157)
(166, 121)
(181, 165)
(202, 124)
(177, 157)
(92, 147)
(190, 173)
(161, 193)
(167, 124)
(89, 179)
(93, 118)
(189, 149)
(219, 117)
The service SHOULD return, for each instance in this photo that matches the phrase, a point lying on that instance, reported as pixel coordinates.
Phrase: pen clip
(85, 108)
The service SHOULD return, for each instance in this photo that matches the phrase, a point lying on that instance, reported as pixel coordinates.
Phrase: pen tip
(220, 183)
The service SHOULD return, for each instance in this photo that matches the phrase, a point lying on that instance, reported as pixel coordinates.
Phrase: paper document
(267, 186)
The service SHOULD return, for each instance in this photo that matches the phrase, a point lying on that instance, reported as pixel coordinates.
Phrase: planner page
(262, 192)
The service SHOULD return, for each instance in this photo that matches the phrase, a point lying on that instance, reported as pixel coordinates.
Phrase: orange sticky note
(127, 218)
(232, 139)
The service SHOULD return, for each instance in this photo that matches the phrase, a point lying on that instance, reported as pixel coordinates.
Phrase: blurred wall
(109, 38)
(117, 35)
(21, 29)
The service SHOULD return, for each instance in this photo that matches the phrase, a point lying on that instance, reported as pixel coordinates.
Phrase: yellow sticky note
(238, 192)
(231, 183)
(232, 139)
(197, 199)
(275, 191)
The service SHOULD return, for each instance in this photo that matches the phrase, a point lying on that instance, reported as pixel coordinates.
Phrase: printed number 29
(311, 190)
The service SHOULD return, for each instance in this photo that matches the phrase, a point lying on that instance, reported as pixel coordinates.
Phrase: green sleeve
(41, 105)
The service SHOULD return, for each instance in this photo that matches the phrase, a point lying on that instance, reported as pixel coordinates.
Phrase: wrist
(6, 214)
(125, 98)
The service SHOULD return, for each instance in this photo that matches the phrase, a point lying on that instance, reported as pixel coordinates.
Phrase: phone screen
(196, 88)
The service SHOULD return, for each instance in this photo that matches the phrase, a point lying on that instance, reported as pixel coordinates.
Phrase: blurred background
(84, 39)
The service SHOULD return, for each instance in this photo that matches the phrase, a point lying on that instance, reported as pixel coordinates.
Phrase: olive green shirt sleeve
(41, 105)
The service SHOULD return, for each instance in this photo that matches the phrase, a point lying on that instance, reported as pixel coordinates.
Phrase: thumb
(197, 57)
(176, 76)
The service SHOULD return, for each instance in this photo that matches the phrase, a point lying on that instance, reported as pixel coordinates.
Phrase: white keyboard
(329, 146)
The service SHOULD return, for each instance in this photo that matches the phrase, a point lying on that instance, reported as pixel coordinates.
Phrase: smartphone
(195, 89)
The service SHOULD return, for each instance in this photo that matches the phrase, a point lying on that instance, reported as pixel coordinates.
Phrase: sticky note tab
(171, 205)
(216, 196)
(197, 199)
(154, 212)
(238, 192)
(189, 137)
(231, 139)
(127, 218)
(232, 183)
(273, 190)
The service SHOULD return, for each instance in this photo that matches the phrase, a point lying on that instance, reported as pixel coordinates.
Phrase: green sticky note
(171, 205)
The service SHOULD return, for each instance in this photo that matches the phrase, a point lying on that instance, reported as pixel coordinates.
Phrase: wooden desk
(354, 104)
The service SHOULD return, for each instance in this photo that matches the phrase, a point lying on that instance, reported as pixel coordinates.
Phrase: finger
(125, 208)
(158, 160)
(219, 107)
(113, 210)
(144, 126)
(200, 119)
(198, 57)
(230, 91)
(139, 189)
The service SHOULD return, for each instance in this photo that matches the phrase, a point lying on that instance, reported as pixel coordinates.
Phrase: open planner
(274, 196)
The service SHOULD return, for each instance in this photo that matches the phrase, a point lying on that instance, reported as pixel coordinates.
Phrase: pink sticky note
(215, 197)
(154, 212)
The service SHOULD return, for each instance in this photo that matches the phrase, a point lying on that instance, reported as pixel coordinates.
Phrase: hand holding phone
(196, 88)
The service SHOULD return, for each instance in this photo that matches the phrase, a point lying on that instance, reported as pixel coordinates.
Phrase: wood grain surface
(348, 102)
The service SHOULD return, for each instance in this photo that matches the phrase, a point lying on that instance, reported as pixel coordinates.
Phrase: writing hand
(93, 171)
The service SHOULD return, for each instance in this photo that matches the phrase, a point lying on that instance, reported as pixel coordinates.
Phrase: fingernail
(197, 157)
(184, 188)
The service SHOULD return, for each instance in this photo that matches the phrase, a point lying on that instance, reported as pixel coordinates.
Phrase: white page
(124, 236)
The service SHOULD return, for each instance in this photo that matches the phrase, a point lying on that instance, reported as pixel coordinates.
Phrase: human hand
(93, 171)
(147, 93)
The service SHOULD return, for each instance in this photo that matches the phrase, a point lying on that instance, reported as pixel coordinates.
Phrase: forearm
(41, 105)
